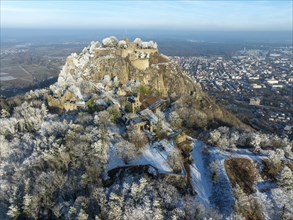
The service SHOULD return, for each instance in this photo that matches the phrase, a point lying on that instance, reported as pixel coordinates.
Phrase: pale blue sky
(188, 15)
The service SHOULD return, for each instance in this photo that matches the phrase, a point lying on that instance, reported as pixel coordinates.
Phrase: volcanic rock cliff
(138, 61)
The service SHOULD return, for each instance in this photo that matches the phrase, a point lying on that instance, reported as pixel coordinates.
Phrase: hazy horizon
(29, 35)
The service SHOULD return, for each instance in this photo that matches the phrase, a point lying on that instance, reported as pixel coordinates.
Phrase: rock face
(140, 61)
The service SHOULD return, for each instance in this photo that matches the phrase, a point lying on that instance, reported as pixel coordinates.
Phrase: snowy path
(200, 180)
(238, 153)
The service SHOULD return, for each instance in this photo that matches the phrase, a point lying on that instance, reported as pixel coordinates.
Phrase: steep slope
(138, 61)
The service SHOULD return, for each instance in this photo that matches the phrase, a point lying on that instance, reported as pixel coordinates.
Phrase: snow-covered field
(155, 155)
(6, 78)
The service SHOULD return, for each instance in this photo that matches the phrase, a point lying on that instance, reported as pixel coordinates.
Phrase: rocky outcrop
(138, 61)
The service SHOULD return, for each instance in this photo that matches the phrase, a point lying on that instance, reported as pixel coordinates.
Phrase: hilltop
(137, 61)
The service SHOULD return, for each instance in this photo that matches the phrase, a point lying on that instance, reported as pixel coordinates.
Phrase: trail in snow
(200, 180)
(238, 153)
(219, 193)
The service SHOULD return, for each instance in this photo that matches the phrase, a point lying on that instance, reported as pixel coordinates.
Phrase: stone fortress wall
(138, 52)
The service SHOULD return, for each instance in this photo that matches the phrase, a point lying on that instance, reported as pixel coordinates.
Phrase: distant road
(27, 72)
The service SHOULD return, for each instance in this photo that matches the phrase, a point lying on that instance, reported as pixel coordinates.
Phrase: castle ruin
(138, 52)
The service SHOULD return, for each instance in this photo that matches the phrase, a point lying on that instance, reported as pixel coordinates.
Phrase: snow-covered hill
(124, 134)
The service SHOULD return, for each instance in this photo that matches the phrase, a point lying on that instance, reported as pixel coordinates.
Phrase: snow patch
(155, 155)
(200, 180)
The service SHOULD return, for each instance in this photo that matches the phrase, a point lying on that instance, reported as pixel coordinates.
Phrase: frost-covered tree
(115, 205)
(160, 115)
(13, 212)
(285, 178)
(175, 119)
(110, 41)
(103, 119)
(94, 46)
(158, 213)
(51, 127)
(175, 160)
(220, 138)
(215, 136)
(138, 138)
(178, 214)
(126, 151)
(115, 113)
(248, 205)
(138, 41)
(101, 151)
(82, 215)
(4, 147)
(235, 216)
(29, 118)
(234, 138)
(83, 118)
(4, 113)
(282, 201)
(188, 111)
(122, 44)
(31, 206)
(9, 126)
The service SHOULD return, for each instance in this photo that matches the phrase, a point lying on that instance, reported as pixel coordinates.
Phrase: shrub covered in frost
(137, 41)
(110, 41)
(122, 44)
